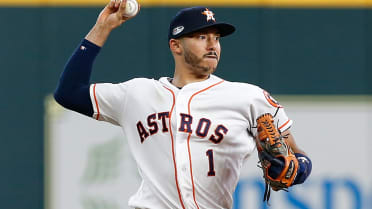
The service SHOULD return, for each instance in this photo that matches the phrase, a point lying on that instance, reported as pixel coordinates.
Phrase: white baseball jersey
(189, 143)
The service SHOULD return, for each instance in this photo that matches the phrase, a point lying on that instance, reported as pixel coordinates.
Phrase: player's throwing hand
(113, 15)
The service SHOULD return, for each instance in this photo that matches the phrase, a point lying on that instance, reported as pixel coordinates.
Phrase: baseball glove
(274, 152)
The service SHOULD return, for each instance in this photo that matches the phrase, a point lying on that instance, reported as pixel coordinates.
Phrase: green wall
(286, 51)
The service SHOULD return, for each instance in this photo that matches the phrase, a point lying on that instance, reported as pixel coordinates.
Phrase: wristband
(304, 168)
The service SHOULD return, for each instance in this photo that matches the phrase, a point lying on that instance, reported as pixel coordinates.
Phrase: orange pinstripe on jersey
(171, 133)
(95, 100)
(188, 139)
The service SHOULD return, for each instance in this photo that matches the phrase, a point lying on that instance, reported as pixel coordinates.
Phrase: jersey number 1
(211, 171)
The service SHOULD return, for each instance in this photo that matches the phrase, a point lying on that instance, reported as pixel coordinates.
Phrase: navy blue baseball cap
(193, 19)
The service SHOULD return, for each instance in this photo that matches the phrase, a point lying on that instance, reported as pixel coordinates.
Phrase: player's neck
(183, 77)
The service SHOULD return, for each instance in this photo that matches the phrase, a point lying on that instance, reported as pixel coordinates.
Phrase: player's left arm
(304, 162)
(292, 143)
(265, 103)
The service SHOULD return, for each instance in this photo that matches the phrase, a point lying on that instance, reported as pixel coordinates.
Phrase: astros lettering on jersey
(189, 143)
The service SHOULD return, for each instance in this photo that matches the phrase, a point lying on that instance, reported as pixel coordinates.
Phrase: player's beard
(196, 63)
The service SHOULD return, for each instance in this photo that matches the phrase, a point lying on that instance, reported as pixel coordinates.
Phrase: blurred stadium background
(314, 56)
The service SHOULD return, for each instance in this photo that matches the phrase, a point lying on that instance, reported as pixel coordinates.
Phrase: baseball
(131, 8)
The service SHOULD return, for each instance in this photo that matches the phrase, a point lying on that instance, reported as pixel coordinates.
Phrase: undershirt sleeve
(72, 91)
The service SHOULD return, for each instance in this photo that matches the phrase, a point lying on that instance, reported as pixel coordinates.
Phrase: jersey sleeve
(265, 103)
(108, 101)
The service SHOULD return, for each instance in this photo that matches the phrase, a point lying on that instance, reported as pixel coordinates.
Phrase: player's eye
(202, 37)
(217, 38)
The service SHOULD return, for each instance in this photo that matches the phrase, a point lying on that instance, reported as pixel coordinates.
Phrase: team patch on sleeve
(271, 100)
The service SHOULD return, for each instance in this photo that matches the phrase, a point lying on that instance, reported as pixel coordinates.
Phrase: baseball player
(189, 134)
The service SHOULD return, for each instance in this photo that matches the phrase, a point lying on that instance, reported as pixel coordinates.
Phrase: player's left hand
(278, 162)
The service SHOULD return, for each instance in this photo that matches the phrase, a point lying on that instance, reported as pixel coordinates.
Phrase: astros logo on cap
(209, 14)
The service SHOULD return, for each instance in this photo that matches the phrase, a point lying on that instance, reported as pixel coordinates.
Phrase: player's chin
(209, 69)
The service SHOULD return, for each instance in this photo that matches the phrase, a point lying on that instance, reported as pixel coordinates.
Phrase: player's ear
(175, 46)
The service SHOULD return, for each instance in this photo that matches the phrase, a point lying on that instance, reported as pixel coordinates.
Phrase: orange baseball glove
(278, 162)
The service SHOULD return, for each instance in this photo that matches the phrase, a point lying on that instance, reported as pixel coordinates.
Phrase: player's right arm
(73, 88)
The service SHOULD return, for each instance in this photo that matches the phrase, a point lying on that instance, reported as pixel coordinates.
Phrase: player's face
(202, 51)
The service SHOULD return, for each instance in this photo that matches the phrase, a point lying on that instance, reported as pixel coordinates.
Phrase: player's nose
(212, 45)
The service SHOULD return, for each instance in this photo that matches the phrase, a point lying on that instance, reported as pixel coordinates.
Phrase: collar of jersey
(195, 86)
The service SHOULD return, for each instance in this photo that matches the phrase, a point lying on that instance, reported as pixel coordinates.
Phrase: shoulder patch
(271, 100)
